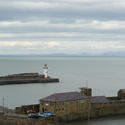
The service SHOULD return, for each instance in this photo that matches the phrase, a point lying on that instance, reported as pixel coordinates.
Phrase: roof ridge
(63, 93)
(73, 95)
(60, 93)
(98, 96)
(66, 92)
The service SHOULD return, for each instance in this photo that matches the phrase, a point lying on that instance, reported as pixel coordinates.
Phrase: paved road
(16, 115)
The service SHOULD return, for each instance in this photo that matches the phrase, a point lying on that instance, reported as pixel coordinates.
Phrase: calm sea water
(103, 74)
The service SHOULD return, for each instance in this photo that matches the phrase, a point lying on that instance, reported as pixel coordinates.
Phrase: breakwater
(25, 78)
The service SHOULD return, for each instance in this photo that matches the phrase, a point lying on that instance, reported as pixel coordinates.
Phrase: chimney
(86, 91)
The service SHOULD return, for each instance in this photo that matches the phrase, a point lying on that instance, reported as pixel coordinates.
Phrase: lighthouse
(45, 71)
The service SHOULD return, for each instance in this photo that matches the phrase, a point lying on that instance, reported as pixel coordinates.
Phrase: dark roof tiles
(99, 99)
(58, 97)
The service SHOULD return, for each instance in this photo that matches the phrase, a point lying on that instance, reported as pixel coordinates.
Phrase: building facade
(64, 103)
(121, 94)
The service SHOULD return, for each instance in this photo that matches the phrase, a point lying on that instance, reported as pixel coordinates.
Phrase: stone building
(73, 105)
(121, 94)
(108, 108)
(97, 104)
(70, 106)
(25, 109)
(64, 103)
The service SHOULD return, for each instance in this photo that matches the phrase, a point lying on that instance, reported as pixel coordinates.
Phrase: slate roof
(67, 96)
(99, 99)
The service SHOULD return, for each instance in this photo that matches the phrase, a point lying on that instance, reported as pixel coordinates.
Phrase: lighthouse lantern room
(45, 71)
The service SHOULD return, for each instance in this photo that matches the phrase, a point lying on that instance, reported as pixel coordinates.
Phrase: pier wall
(95, 110)
(110, 108)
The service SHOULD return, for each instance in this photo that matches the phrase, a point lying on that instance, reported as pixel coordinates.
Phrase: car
(46, 114)
(42, 115)
(33, 115)
(49, 113)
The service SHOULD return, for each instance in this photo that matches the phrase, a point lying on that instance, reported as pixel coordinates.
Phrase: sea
(105, 75)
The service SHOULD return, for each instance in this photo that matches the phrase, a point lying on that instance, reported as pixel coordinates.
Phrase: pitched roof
(99, 99)
(58, 97)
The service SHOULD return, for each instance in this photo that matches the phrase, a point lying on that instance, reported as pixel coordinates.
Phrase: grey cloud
(58, 28)
(66, 12)
(98, 10)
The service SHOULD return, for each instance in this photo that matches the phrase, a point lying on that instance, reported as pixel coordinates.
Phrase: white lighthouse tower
(45, 71)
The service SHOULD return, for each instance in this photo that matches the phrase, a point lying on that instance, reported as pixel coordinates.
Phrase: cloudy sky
(80, 27)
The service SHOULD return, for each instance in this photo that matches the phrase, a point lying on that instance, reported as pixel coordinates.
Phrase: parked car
(46, 114)
(42, 115)
(49, 113)
(32, 115)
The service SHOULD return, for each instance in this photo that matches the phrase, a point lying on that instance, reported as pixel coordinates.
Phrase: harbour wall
(94, 110)
(78, 110)
(24, 78)
(85, 108)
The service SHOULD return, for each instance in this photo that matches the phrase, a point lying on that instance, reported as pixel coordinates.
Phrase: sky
(74, 27)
